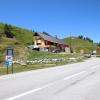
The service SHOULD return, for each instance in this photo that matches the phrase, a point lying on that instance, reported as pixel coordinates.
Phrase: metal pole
(12, 61)
(12, 68)
(7, 69)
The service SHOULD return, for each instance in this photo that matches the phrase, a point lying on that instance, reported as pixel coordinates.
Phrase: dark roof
(50, 38)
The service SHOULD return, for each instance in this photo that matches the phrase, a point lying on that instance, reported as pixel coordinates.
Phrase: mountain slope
(80, 44)
(22, 35)
(22, 38)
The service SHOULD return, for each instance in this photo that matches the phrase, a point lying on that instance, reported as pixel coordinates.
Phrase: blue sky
(57, 17)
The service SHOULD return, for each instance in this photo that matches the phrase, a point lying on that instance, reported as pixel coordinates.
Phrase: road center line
(43, 87)
(29, 92)
(72, 76)
(23, 94)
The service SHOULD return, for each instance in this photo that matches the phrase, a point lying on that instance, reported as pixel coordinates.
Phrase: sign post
(9, 58)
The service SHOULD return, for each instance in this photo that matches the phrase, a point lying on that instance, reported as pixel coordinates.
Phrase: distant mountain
(78, 44)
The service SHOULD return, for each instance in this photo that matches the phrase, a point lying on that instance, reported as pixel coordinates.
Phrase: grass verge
(19, 68)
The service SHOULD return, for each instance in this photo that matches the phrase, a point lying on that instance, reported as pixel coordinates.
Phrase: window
(38, 43)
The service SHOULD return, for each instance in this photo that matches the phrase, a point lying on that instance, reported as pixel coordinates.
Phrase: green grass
(41, 55)
(22, 38)
(23, 35)
(79, 44)
(19, 68)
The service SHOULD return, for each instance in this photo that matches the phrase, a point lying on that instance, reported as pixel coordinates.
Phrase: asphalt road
(79, 81)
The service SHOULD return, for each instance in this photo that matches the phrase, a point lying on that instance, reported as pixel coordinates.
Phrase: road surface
(79, 81)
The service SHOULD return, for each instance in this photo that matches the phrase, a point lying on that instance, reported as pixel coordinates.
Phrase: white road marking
(43, 87)
(72, 76)
(29, 92)
(23, 94)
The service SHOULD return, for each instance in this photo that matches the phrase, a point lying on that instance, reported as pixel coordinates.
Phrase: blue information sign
(9, 61)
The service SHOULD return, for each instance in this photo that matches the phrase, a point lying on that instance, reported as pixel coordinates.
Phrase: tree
(46, 33)
(98, 44)
(85, 38)
(7, 31)
(88, 39)
(80, 37)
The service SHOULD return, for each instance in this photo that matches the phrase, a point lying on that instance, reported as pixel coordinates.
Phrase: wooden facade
(43, 42)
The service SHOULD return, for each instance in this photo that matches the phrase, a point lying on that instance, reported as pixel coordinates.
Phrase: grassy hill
(80, 44)
(22, 35)
(22, 38)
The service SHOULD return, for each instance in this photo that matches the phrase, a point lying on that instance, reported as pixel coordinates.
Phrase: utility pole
(70, 43)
